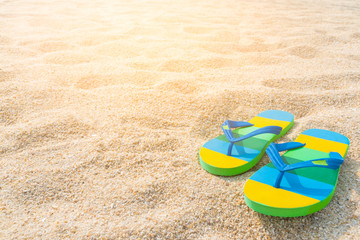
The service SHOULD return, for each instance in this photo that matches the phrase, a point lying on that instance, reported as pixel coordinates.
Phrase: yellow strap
(220, 160)
(275, 197)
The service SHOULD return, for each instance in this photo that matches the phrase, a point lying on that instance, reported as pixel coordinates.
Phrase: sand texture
(104, 106)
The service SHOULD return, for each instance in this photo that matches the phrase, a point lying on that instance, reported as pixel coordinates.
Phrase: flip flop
(301, 181)
(237, 151)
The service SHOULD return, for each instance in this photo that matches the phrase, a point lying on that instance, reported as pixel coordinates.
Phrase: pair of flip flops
(300, 182)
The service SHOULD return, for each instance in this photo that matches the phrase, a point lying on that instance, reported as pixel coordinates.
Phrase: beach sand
(104, 106)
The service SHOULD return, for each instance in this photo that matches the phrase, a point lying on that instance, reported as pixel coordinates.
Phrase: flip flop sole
(302, 191)
(245, 154)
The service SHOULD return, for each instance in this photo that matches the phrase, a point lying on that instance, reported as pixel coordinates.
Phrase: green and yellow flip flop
(301, 181)
(237, 151)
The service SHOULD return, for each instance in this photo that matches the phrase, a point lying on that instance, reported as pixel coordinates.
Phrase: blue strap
(288, 146)
(275, 157)
(228, 124)
(236, 124)
(333, 161)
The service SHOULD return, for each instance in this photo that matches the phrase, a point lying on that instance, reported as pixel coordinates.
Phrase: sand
(104, 106)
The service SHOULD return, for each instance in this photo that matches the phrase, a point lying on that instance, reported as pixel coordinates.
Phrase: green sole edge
(238, 170)
(231, 171)
(288, 212)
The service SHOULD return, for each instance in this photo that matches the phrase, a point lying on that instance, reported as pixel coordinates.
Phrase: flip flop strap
(228, 124)
(333, 161)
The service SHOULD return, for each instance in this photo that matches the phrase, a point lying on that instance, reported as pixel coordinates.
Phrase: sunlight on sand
(105, 104)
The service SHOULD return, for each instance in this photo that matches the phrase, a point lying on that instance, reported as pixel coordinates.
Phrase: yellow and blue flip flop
(301, 181)
(237, 151)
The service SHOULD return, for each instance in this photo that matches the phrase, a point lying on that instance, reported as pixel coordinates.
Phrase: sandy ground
(105, 104)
